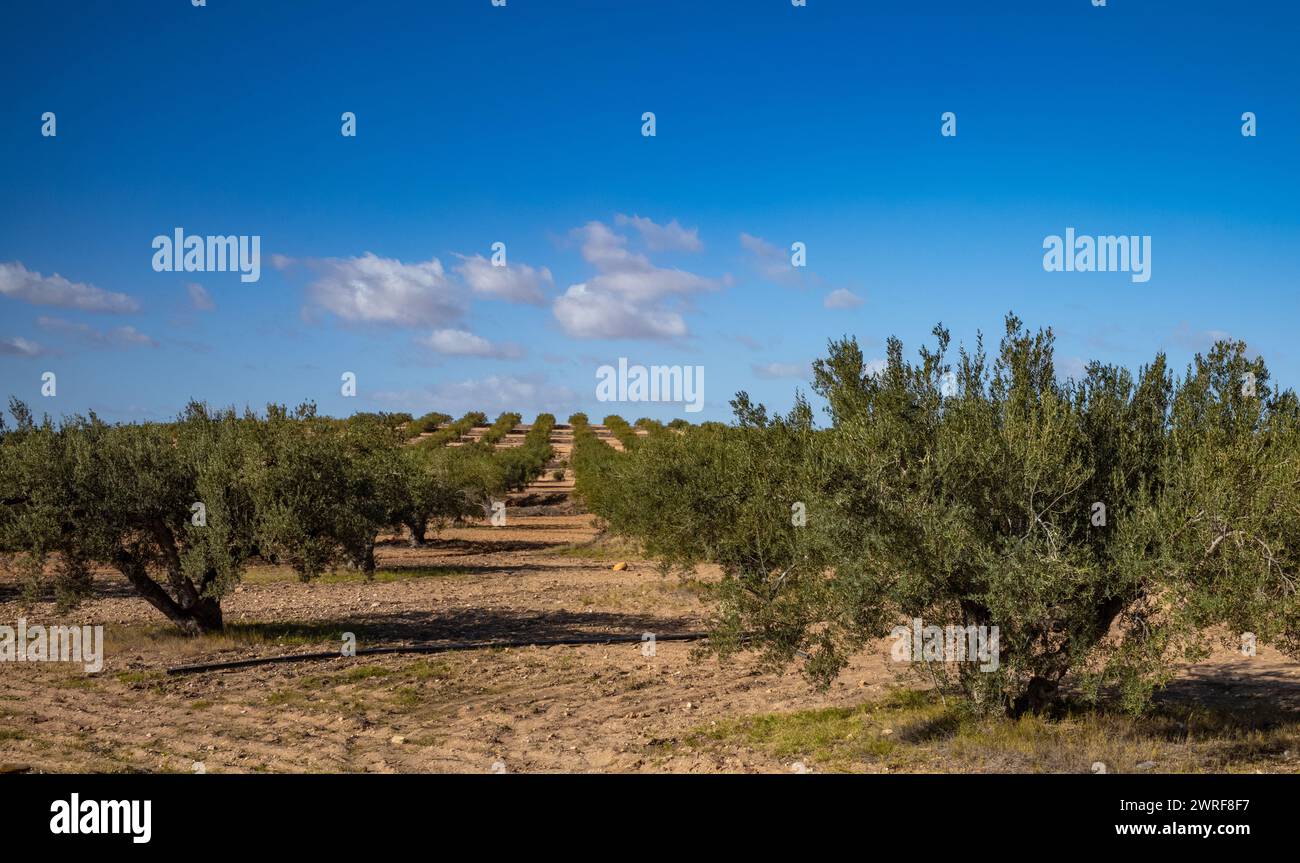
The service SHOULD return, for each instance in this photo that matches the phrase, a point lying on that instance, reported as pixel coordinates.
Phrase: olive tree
(1109, 527)
(167, 506)
(180, 509)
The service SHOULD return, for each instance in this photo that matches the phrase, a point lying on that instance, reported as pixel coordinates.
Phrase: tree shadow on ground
(467, 624)
(481, 546)
(1250, 699)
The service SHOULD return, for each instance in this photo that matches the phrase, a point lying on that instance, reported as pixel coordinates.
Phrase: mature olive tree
(1109, 526)
(179, 509)
(168, 506)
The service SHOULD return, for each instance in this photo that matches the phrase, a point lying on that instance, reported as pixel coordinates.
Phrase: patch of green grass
(429, 669)
(362, 672)
(834, 738)
(407, 697)
(287, 698)
(296, 634)
(913, 730)
(139, 677)
(74, 681)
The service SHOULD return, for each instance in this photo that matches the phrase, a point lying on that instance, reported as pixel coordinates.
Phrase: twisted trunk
(194, 615)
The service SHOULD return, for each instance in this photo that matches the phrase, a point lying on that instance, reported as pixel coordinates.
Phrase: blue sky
(522, 125)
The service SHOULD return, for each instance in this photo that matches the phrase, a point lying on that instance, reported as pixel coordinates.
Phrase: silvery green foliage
(289, 487)
(971, 505)
(84, 492)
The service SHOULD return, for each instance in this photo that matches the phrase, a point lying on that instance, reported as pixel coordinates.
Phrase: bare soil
(546, 574)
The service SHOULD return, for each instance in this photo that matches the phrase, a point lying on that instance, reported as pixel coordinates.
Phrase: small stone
(397, 740)
(620, 566)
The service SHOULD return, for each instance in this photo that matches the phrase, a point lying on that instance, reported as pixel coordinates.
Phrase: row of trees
(181, 509)
(426, 424)
(1110, 526)
(619, 428)
(445, 432)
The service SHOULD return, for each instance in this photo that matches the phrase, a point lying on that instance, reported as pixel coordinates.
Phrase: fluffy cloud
(663, 238)
(371, 289)
(629, 297)
(20, 347)
(842, 299)
(518, 283)
(200, 299)
(20, 283)
(585, 313)
(462, 343)
(118, 337)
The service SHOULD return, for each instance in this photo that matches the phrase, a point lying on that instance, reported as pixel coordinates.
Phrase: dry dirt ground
(559, 708)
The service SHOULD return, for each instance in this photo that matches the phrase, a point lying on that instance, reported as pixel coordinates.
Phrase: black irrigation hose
(434, 647)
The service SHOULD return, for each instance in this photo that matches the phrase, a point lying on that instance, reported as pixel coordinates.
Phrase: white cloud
(663, 238)
(606, 249)
(118, 337)
(200, 299)
(371, 289)
(773, 371)
(629, 297)
(842, 299)
(20, 347)
(20, 283)
(591, 314)
(462, 343)
(518, 283)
